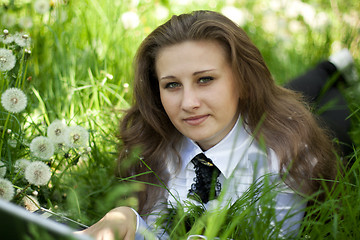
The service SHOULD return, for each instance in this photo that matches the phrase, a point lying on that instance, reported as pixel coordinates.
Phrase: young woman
(201, 86)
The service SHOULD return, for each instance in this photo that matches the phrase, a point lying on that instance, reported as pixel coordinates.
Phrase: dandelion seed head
(31, 203)
(295, 26)
(351, 18)
(77, 136)
(21, 164)
(130, 20)
(26, 22)
(7, 38)
(14, 100)
(235, 14)
(126, 87)
(8, 20)
(38, 173)
(56, 131)
(22, 40)
(42, 6)
(12, 143)
(42, 147)
(6, 189)
(320, 22)
(109, 76)
(161, 12)
(2, 169)
(7, 60)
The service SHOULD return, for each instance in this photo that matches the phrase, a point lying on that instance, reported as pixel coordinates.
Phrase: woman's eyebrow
(167, 77)
(203, 71)
(194, 74)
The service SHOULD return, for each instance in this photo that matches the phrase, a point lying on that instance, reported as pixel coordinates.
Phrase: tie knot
(201, 158)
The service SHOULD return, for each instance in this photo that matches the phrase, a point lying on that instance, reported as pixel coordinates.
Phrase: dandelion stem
(66, 168)
(3, 133)
(57, 167)
(24, 76)
(22, 191)
(18, 78)
(2, 81)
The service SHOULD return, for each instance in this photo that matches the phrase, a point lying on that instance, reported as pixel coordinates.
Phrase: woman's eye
(205, 79)
(172, 85)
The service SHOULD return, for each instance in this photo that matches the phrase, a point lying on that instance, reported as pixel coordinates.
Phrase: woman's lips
(196, 120)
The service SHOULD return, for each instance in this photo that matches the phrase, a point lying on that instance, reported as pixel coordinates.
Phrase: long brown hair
(287, 126)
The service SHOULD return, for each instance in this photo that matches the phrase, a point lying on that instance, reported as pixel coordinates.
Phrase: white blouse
(241, 162)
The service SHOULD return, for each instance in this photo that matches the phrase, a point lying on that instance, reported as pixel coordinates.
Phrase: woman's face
(198, 90)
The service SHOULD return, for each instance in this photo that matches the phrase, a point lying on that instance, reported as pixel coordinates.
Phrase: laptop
(16, 223)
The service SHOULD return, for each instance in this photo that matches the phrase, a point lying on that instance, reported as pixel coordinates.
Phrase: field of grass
(75, 65)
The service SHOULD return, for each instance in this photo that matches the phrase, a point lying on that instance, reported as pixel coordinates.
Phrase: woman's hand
(119, 223)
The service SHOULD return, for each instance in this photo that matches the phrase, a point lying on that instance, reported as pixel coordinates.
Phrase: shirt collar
(226, 155)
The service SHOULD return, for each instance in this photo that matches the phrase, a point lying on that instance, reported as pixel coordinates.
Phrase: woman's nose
(190, 99)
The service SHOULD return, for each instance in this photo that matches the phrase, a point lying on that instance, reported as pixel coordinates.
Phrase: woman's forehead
(195, 55)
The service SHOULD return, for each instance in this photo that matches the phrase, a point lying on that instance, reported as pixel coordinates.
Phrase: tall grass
(80, 70)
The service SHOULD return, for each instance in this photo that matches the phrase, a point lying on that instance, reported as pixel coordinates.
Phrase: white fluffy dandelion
(161, 12)
(235, 14)
(38, 173)
(77, 136)
(7, 60)
(56, 131)
(21, 164)
(321, 21)
(8, 20)
(7, 38)
(26, 22)
(42, 147)
(2, 169)
(42, 6)
(31, 203)
(12, 143)
(22, 40)
(130, 20)
(6, 189)
(14, 100)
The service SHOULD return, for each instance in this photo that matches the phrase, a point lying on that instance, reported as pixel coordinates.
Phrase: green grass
(81, 59)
